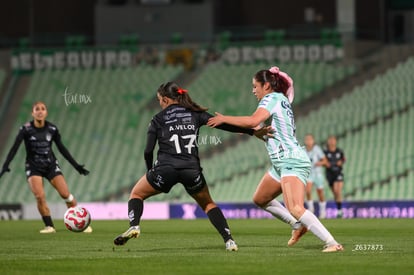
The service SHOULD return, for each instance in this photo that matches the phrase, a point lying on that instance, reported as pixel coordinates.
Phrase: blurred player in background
(316, 177)
(290, 164)
(176, 129)
(41, 162)
(335, 161)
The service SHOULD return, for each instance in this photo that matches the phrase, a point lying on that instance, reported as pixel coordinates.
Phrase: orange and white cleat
(296, 235)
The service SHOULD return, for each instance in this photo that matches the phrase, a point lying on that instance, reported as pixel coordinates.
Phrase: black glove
(82, 170)
(4, 170)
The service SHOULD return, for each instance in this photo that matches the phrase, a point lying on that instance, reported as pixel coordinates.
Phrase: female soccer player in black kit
(334, 174)
(176, 128)
(38, 136)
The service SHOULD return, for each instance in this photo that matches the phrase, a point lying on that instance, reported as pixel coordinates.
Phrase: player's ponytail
(280, 81)
(173, 91)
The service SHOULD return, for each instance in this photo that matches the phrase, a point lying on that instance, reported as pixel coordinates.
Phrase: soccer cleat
(322, 215)
(48, 230)
(296, 235)
(333, 248)
(339, 214)
(132, 232)
(88, 229)
(231, 245)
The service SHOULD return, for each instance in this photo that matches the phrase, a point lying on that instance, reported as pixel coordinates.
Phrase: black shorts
(333, 177)
(45, 172)
(164, 177)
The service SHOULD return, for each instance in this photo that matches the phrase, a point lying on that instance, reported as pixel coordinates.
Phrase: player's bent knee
(40, 197)
(259, 201)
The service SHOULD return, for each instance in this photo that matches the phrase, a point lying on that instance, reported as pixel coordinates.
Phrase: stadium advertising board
(11, 212)
(102, 210)
(366, 209)
(119, 210)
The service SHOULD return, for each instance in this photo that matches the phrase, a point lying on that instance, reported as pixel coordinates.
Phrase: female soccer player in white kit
(290, 164)
(316, 177)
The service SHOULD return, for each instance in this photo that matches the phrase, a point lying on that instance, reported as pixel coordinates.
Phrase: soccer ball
(77, 218)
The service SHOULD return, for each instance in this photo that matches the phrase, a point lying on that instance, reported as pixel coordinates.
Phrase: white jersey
(284, 143)
(315, 155)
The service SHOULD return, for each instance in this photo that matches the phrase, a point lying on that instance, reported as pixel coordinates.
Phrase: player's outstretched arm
(252, 121)
(65, 153)
(227, 127)
(12, 152)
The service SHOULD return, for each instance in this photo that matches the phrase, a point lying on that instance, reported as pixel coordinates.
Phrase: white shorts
(317, 179)
(290, 167)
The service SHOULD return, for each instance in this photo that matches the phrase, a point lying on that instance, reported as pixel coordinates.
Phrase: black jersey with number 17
(176, 128)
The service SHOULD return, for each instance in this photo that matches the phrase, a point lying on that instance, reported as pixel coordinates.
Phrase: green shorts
(317, 179)
(290, 167)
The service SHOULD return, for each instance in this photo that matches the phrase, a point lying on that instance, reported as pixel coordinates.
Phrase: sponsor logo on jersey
(175, 109)
(186, 120)
(170, 116)
(286, 105)
(171, 121)
(184, 115)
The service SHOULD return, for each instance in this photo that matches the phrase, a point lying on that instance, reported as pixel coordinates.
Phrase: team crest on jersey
(48, 137)
(27, 125)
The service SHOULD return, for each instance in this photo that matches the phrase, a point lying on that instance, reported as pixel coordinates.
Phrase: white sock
(277, 210)
(309, 204)
(322, 208)
(309, 220)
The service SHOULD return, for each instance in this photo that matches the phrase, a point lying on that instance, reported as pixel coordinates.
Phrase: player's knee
(40, 198)
(259, 201)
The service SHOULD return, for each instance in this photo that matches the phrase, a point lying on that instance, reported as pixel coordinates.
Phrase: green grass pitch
(194, 247)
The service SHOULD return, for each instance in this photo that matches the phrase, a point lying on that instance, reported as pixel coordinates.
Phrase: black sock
(47, 220)
(339, 205)
(220, 223)
(135, 209)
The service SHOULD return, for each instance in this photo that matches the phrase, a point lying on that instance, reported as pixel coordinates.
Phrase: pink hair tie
(274, 70)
